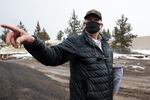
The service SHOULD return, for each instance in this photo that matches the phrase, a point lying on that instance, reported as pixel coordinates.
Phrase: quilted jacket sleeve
(53, 56)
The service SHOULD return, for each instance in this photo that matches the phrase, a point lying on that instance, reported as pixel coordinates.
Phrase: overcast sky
(53, 15)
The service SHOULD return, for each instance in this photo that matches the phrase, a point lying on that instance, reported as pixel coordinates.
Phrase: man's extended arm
(53, 56)
(48, 56)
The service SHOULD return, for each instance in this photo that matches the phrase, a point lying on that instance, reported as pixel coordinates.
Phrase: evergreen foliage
(122, 36)
(42, 34)
(75, 26)
(3, 35)
(60, 35)
(106, 33)
(22, 26)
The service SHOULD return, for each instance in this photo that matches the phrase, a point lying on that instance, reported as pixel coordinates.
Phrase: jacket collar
(88, 39)
(102, 38)
(91, 42)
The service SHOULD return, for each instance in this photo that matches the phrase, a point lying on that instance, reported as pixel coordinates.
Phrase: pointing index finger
(10, 27)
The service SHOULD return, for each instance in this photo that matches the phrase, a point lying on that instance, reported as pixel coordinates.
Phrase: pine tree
(60, 35)
(22, 26)
(38, 29)
(42, 34)
(75, 26)
(3, 35)
(45, 35)
(68, 31)
(122, 36)
(107, 33)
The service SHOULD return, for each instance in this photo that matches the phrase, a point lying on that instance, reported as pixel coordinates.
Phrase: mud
(135, 84)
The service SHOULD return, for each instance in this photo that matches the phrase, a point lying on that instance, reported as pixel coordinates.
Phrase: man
(89, 55)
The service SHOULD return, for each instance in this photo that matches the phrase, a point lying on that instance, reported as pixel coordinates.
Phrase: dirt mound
(136, 93)
(18, 82)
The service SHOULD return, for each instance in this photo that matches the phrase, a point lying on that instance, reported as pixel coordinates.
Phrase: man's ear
(84, 25)
(101, 25)
(84, 22)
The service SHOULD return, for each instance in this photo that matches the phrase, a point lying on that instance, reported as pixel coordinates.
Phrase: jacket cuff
(34, 45)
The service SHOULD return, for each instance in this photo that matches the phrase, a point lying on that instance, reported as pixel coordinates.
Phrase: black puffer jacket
(91, 69)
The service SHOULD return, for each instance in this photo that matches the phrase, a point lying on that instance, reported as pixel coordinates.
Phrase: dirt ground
(135, 84)
(18, 82)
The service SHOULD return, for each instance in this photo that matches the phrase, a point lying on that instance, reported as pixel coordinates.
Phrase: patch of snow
(147, 52)
(11, 50)
(53, 42)
(19, 53)
(22, 56)
(137, 67)
(131, 56)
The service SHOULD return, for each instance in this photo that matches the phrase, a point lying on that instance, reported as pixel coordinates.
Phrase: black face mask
(92, 27)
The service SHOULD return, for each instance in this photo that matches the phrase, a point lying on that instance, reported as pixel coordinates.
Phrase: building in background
(141, 43)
